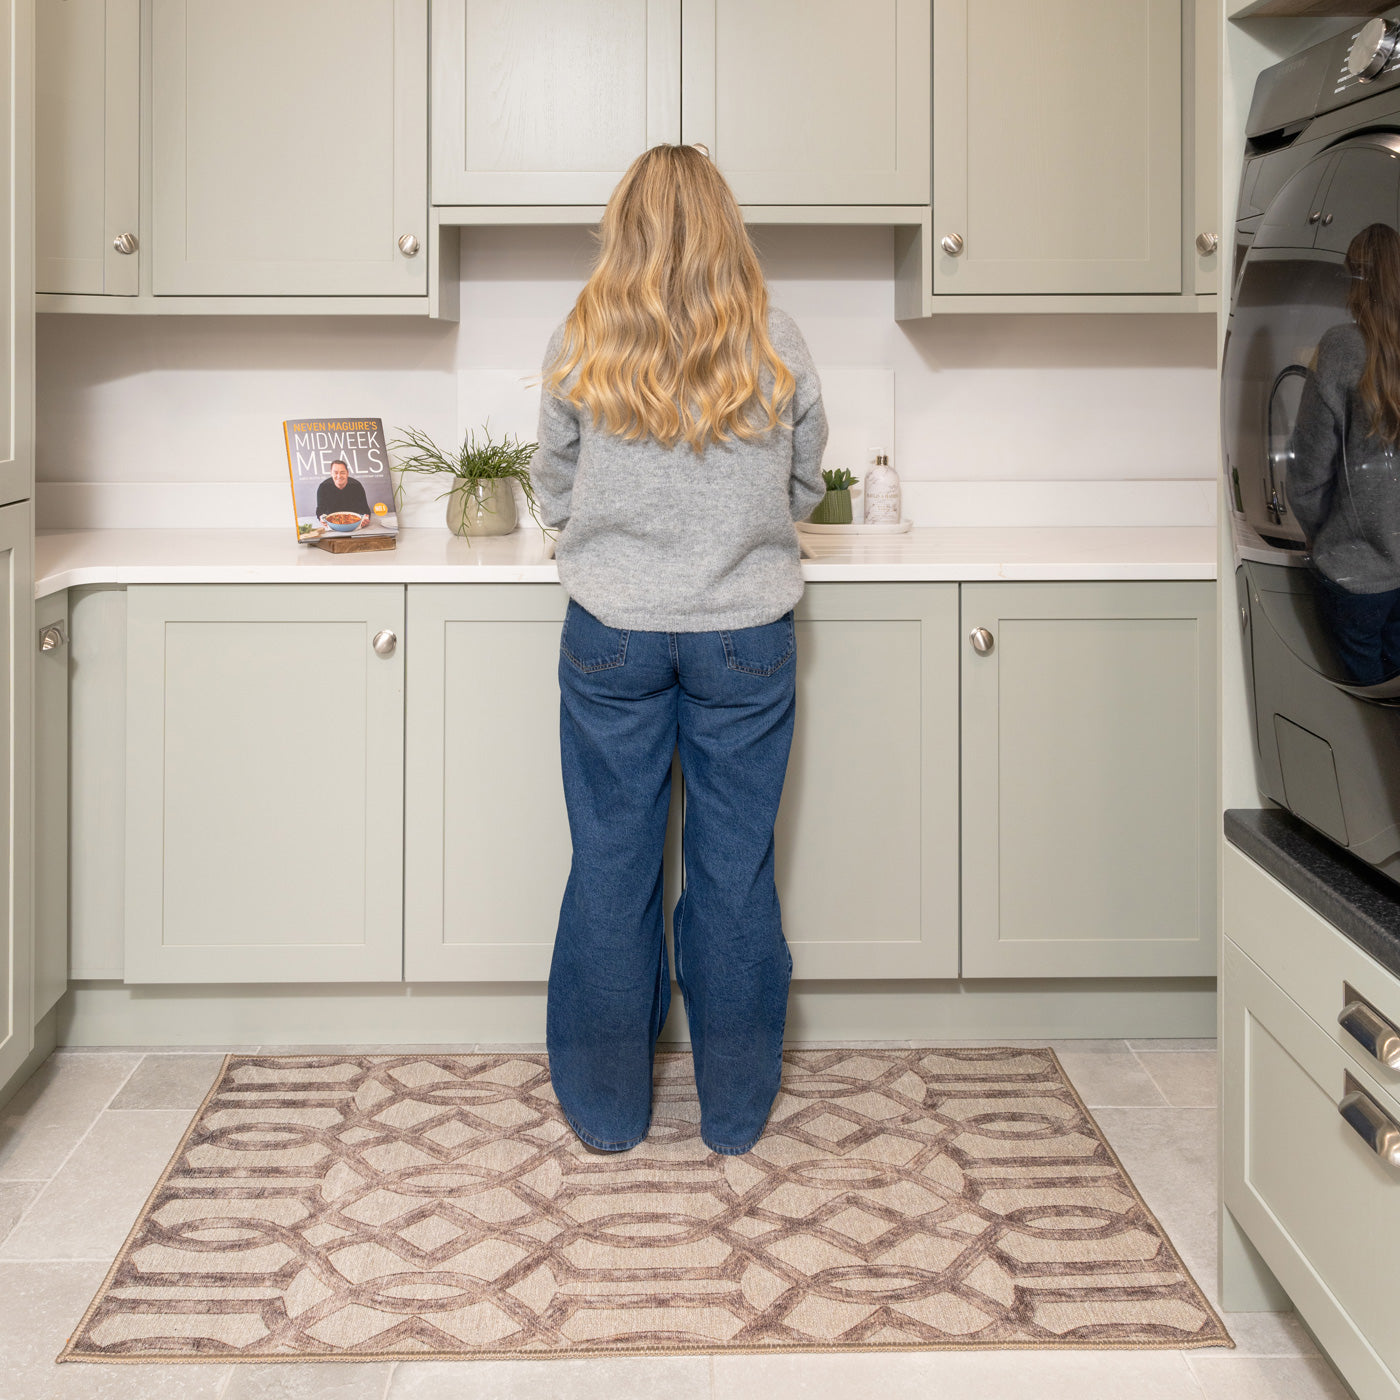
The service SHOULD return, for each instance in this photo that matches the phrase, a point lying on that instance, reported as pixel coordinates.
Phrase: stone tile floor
(83, 1142)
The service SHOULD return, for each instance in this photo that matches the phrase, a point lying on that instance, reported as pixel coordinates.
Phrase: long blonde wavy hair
(670, 333)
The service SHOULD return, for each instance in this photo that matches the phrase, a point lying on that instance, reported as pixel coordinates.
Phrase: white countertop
(68, 559)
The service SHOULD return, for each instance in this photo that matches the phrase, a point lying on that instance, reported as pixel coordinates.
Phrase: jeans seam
(598, 1142)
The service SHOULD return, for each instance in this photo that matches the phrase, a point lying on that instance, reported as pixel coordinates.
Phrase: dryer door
(1325, 486)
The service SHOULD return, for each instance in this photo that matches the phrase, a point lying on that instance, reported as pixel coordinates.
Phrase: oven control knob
(1372, 49)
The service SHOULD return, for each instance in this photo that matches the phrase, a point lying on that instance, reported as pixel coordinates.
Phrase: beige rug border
(69, 1353)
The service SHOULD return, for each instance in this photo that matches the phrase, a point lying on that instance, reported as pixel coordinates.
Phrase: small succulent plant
(839, 480)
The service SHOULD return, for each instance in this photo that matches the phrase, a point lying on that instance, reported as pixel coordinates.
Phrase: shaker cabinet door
(290, 147)
(826, 103)
(1057, 146)
(549, 101)
(867, 834)
(1089, 811)
(87, 136)
(16, 826)
(264, 762)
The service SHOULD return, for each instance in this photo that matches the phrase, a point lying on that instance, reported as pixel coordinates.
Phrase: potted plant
(480, 478)
(835, 507)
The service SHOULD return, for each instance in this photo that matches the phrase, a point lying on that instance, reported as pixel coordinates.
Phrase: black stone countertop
(1351, 895)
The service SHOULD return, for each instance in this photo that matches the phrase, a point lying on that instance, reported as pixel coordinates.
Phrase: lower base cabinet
(1316, 1200)
(308, 804)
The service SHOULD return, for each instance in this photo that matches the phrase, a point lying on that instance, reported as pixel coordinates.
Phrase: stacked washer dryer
(1322, 163)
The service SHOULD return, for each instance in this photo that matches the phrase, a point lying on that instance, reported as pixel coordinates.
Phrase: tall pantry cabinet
(17, 638)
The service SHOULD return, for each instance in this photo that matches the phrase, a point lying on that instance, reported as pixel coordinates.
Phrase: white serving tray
(807, 528)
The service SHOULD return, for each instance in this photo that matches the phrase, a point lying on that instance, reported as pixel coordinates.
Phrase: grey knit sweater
(1343, 484)
(659, 539)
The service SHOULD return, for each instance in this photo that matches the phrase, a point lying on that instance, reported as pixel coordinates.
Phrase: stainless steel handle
(1207, 243)
(1326, 219)
(384, 643)
(701, 147)
(1372, 1124)
(125, 243)
(1369, 1029)
(1314, 216)
(951, 243)
(982, 641)
(408, 245)
(52, 637)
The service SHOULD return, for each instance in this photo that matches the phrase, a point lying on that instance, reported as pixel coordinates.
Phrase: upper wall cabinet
(826, 105)
(1057, 146)
(549, 101)
(288, 146)
(88, 138)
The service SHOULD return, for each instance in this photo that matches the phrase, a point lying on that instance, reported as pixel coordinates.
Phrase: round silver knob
(384, 643)
(1326, 219)
(982, 641)
(52, 637)
(125, 243)
(408, 245)
(1207, 243)
(951, 243)
(1314, 216)
(1372, 49)
(701, 147)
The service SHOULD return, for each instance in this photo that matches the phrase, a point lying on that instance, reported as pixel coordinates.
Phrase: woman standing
(1343, 475)
(681, 434)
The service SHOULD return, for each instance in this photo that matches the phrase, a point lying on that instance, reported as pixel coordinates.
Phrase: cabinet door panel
(290, 147)
(50, 808)
(867, 836)
(488, 846)
(87, 130)
(829, 107)
(1057, 156)
(264, 784)
(1089, 790)
(16, 254)
(549, 101)
(16, 932)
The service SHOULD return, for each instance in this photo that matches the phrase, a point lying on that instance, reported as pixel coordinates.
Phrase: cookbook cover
(340, 477)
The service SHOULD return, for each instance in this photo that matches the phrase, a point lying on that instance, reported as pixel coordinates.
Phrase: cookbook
(341, 485)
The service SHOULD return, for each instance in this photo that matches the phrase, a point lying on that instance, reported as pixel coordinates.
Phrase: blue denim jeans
(627, 701)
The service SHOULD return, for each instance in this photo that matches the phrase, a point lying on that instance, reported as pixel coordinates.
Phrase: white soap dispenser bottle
(883, 501)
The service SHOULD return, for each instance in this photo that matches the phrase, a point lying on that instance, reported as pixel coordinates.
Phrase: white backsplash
(992, 419)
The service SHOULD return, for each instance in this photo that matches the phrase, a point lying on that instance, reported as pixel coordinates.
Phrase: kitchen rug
(422, 1206)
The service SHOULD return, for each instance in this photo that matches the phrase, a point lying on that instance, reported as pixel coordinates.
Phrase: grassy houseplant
(480, 478)
(835, 507)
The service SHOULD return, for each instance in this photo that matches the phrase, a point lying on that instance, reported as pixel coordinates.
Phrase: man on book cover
(340, 491)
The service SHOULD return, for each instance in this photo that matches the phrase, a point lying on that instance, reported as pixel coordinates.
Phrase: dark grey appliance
(1322, 163)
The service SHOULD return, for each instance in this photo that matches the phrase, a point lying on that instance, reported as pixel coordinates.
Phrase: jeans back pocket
(591, 645)
(760, 651)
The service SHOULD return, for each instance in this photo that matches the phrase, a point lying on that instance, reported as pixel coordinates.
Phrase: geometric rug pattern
(435, 1206)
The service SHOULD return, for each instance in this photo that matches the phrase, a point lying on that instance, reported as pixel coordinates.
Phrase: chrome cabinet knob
(951, 243)
(1207, 243)
(408, 245)
(1372, 49)
(1314, 216)
(384, 643)
(52, 637)
(125, 243)
(982, 641)
(1371, 1031)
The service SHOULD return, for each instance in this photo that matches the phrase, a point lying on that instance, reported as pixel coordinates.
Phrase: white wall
(1022, 399)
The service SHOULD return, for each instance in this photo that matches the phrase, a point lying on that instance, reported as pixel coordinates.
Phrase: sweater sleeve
(556, 456)
(1314, 450)
(805, 486)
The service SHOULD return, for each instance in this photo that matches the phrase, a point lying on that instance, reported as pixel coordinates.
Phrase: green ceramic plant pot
(833, 509)
(485, 507)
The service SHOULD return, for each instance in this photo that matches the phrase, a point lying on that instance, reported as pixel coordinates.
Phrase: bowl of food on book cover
(341, 484)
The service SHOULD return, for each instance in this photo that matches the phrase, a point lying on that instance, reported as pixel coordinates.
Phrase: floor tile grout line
(389, 1380)
(1151, 1079)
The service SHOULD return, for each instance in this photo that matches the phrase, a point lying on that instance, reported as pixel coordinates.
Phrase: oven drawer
(1319, 1201)
(1321, 969)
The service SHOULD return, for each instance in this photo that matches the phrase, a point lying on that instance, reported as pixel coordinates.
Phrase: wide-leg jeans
(628, 699)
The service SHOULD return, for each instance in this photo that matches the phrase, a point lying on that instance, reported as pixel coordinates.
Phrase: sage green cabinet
(867, 834)
(549, 101)
(1088, 812)
(16, 252)
(17, 1015)
(87, 136)
(289, 147)
(825, 106)
(264, 773)
(1057, 146)
(50, 801)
